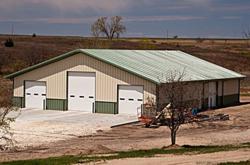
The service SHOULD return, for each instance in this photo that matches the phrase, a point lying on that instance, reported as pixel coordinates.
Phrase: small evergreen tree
(9, 43)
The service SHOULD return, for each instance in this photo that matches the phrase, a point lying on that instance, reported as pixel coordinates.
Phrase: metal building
(118, 81)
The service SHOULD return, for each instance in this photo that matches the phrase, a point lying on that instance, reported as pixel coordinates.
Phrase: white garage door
(212, 94)
(81, 91)
(130, 99)
(35, 94)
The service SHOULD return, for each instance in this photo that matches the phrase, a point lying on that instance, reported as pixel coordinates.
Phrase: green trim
(44, 104)
(231, 100)
(56, 104)
(117, 99)
(24, 102)
(203, 96)
(18, 101)
(219, 101)
(106, 107)
(223, 101)
(67, 90)
(205, 103)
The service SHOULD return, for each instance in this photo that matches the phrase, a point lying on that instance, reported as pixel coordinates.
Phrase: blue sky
(143, 18)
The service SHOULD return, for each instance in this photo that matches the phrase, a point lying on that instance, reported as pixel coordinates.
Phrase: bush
(6, 107)
(200, 40)
(9, 43)
(34, 35)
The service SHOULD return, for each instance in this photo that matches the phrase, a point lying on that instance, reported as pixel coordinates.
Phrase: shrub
(9, 43)
(6, 107)
(200, 40)
(34, 35)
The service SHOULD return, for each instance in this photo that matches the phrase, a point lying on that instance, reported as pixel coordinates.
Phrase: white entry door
(212, 94)
(81, 91)
(35, 94)
(130, 99)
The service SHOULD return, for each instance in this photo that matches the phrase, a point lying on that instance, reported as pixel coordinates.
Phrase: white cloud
(231, 8)
(196, 2)
(84, 20)
(88, 20)
(65, 5)
(231, 17)
(161, 18)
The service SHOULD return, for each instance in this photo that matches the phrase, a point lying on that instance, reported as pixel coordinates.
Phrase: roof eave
(58, 58)
(49, 61)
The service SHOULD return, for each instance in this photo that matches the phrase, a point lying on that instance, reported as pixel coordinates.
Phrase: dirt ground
(132, 137)
(200, 159)
(35, 127)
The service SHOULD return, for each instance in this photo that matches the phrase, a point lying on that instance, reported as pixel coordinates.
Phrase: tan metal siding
(107, 78)
(193, 91)
(219, 88)
(231, 87)
(206, 90)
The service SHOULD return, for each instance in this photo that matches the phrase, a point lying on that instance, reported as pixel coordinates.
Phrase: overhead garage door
(130, 99)
(35, 94)
(81, 91)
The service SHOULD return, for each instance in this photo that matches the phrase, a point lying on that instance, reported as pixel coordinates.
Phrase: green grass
(66, 160)
(245, 94)
(63, 160)
(237, 163)
(245, 53)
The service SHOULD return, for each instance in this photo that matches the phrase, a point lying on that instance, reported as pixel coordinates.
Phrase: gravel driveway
(38, 127)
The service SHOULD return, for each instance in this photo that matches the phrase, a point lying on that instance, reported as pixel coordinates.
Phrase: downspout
(222, 94)
(157, 98)
(217, 96)
(238, 91)
(203, 95)
(12, 97)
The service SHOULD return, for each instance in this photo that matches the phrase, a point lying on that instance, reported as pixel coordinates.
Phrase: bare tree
(95, 29)
(179, 102)
(246, 35)
(6, 118)
(109, 28)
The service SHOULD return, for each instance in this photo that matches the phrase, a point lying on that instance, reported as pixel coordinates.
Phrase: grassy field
(236, 163)
(233, 54)
(28, 50)
(186, 149)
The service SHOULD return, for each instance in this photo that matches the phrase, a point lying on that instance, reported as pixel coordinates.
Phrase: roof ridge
(148, 64)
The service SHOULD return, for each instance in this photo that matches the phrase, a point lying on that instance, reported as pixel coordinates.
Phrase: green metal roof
(153, 65)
